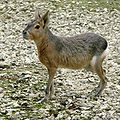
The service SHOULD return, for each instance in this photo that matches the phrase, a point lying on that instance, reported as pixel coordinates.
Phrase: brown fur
(67, 52)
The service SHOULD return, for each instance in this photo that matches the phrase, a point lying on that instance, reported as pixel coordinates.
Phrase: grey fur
(77, 49)
(81, 51)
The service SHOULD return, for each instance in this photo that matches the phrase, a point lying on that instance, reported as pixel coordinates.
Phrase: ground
(23, 78)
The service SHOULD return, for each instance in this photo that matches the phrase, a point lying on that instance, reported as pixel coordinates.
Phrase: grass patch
(4, 117)
(101, 4)
(42, 105)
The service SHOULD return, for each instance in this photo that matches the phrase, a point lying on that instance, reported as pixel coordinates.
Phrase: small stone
(4, 65)
(22, 112)
(32, 95)
(105, 9)
(27, 77)
(3, 75)
(118, 87)
(69, 100)
(24, 104)
(4, 112)
(26, 73)
(1, 95)
(118, 61)
(15, 104)
(1, 89)
(2, 6)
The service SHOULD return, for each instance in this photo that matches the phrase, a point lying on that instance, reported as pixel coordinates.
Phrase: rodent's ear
(37, 14)
(45, 19)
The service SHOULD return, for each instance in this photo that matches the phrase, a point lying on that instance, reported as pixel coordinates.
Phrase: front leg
(50, 88)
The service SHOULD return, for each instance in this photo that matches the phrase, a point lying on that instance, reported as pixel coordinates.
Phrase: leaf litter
(23, 78)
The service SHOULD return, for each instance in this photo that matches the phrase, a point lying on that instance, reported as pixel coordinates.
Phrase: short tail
(101, 57)
(105, 53)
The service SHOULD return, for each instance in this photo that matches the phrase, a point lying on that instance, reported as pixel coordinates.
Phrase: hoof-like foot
(96, 92)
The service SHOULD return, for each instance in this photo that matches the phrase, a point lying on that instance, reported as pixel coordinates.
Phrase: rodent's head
(35, 30)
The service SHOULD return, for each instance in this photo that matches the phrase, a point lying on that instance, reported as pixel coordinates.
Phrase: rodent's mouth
(25, 36)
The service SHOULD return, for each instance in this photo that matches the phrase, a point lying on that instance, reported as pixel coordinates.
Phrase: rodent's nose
(24, 32)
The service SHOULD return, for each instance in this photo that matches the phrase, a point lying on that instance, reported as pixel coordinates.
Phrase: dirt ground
(23, 78)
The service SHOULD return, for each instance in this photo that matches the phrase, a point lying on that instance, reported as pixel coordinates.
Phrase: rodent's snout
(24, 32)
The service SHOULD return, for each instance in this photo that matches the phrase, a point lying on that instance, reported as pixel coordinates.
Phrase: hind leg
(100, 72)
(89, 68)
(50, 87)
(52, 90)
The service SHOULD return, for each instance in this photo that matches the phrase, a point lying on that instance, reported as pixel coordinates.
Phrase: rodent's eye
(37, 26)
